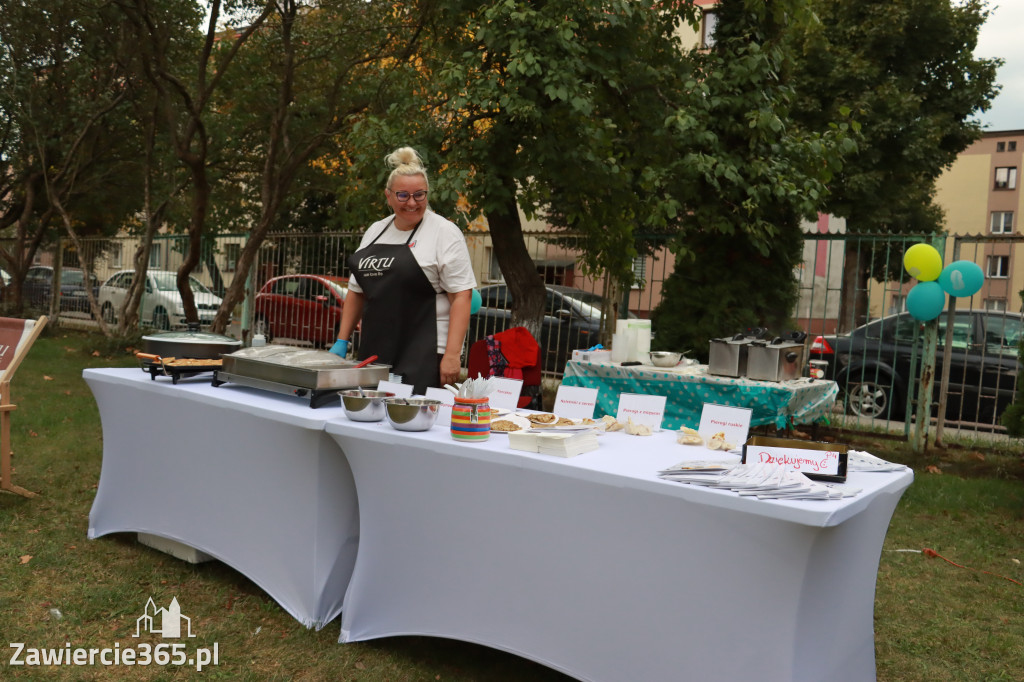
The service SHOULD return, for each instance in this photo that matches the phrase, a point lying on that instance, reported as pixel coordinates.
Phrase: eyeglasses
(405, 196)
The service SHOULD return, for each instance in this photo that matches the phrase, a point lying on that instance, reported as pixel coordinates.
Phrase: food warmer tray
(297, 371)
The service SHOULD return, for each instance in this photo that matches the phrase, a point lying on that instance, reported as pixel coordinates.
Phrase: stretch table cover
(773, 403)
(247, 476)
(595, 567)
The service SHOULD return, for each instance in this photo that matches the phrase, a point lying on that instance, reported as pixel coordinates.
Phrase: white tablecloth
(595, 567)
(246, 476)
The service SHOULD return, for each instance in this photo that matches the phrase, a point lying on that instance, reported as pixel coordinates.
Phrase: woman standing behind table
(411, 284)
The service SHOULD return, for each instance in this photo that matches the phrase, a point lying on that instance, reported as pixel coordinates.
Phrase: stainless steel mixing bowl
(411, 414)
(364, 406)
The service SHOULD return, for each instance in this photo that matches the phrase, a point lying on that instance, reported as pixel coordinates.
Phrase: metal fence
(846, 283)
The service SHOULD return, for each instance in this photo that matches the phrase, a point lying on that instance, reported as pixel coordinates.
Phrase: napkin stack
(555, 444)
(764, 481)
(857, 460)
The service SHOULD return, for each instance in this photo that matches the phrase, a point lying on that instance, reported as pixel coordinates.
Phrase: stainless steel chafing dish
(298, 371)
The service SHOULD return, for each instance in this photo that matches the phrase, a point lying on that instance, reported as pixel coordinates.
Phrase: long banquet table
(246, 476)
(596, 567)
(590, 565)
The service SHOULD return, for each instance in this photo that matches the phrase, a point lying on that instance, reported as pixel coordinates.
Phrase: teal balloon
(962, 278)
(475, 302)
(926, 300)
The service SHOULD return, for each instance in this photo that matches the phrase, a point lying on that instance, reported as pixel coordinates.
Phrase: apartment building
(981, 196)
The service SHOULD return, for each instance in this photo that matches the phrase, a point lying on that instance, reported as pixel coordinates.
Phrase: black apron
(399, 311)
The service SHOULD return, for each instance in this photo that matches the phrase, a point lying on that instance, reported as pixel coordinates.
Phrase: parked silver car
(161, 302)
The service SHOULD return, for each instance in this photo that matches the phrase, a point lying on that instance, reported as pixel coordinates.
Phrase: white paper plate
(521, 422)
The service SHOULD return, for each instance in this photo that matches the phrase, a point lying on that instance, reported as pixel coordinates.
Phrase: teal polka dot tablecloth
(779, 404)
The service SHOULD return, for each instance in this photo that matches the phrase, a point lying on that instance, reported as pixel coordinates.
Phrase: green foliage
(726, 291)
(753, 174)
(906, 71)
(66, 87)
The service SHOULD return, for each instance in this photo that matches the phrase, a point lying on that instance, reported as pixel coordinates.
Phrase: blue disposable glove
(340, 347)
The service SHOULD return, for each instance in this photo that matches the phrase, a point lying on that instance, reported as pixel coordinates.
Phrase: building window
(231, 254)
(999, 266)
(1002, 222)
(996, 305)
(154, 256)
(707, 34)
(899, 304)
(1011, 145)
(639, 272)
(1006, 177)
(1000, 146)
(115, 256)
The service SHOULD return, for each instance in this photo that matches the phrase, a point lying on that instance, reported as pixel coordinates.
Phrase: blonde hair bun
(405, 161)
(404, 156)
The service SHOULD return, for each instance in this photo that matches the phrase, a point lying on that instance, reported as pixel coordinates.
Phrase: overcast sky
(1003, 36)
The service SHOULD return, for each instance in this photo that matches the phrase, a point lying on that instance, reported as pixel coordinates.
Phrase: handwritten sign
(400, 390)
(447, 398)
(506, 392)
(734, 422)
(642, 409)
(822, 461)
(575, 402)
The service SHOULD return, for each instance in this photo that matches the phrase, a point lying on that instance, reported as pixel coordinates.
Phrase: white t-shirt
(440, 249)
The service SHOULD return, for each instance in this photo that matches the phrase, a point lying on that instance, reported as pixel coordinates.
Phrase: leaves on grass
(25, 558)
(977, 456)
(95, 353)
(47, 378)
(932, 469)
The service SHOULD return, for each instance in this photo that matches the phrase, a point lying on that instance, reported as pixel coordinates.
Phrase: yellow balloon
(923, 262)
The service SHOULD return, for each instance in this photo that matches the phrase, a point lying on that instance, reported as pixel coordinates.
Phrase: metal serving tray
(301, 368)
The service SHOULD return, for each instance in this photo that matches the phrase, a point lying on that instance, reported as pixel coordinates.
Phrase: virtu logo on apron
(375, 263)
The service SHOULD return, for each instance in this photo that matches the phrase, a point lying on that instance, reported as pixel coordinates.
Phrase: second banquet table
(596, 567)
(687, 388)
(246, 476)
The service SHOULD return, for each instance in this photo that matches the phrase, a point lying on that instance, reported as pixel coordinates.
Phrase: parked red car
(301, 307)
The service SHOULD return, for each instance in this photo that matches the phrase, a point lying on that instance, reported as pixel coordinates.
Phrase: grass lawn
(933, 621)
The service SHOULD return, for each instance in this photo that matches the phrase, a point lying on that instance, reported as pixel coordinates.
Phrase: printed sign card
(734, 422)
(506, 393)
(820, 461)
(642, 409)
(447, 398)
(575, 402)
(400, 390)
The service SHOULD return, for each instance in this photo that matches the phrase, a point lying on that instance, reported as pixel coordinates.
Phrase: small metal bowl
(367, 406)
(411, 414)
(664, 358)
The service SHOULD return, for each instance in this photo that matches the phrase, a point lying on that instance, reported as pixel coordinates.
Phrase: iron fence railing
(847, 283)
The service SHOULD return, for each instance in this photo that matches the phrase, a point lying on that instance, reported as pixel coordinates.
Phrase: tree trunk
(853, 302)
(524, 283)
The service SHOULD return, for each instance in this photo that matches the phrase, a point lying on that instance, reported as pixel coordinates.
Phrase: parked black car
(572, 320)
(38, 285)
(871, 364)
